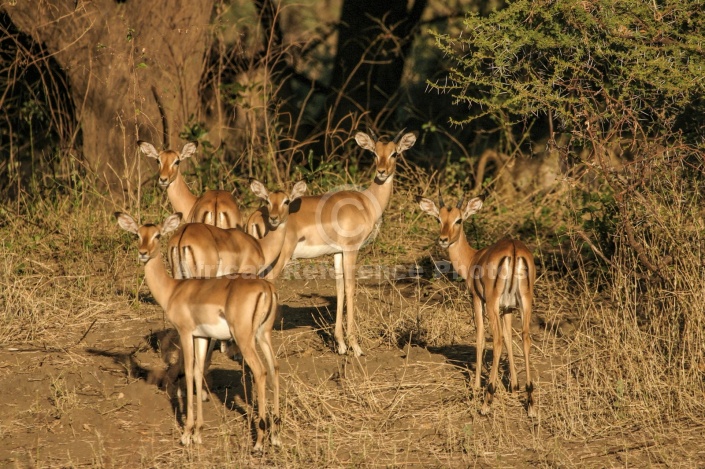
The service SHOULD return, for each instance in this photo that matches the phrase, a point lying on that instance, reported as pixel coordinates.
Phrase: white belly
(219, 331)
(303, 251)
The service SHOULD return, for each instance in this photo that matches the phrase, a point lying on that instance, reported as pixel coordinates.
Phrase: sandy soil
(97, 401)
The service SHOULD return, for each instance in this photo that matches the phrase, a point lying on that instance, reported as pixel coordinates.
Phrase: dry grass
(619, 352)
(614, 386)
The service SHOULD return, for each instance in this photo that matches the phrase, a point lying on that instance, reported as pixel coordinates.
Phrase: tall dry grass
(618, 348)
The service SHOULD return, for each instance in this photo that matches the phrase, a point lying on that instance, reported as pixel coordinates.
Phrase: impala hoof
(186, 439)
(532, 412)
(485, 410)
(356, 350)
(276, 441)
(342, 348)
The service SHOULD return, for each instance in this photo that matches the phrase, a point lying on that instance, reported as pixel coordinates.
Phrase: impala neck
(159, 281)
(461, 255)
(180, 197)
(381, 192)
(272, 243)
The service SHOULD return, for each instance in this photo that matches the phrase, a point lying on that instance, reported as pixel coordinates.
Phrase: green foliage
(210, 167)
(607, 73)
(630, 64)
(234, 94)
(598, 215)
(325, 173)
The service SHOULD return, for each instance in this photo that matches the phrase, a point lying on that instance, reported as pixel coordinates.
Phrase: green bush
(623, 79)
(595, 67)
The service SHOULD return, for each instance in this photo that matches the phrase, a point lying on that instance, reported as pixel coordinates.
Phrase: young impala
(339, 223)
(501, 279)
(214, 207)
(218, 308)
(198, 250)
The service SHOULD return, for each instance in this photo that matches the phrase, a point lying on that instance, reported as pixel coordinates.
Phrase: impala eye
(176, 163)
(157, 236)
(286, 202)
(458, 221)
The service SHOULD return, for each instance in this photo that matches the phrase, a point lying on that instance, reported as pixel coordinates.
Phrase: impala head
(278, 202)
(386, 151)
(148, 234)
(451, 218)
(169, 160)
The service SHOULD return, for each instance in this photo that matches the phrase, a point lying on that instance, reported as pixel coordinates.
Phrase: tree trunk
(124, 61)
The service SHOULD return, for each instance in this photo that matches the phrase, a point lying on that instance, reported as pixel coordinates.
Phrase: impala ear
(126, 222)
(171, 223)
(473, 206)
(428, 206)
(365, 141)
(188, 150)
(258, 189)
(406, 141)
(298, 190)
(148, 149)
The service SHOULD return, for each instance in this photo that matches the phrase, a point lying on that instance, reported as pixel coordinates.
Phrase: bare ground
(91, 397)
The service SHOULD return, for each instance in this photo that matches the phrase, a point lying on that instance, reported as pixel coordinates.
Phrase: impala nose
(144, 256)
(163, 181)
(274, 221)
(443, 241)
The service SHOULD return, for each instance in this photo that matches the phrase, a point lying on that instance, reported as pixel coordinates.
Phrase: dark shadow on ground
(142, 297)
(222, 384)
(320, 318)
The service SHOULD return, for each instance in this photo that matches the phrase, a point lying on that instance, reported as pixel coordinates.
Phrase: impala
(339, 223)
(220, 308)
(501, 279)
(274, 213)
(198, 250)
(214, 207)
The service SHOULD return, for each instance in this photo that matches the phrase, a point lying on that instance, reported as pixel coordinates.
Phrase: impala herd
(223, 268)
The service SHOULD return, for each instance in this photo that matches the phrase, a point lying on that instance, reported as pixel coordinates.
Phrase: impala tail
(515, 270)
(265, 306)
(509, 299)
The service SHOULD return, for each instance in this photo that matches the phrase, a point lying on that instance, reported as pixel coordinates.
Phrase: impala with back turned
(501, 279)
(214, 207)
(243, 309)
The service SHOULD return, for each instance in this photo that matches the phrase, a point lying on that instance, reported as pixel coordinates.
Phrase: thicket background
(581, 122)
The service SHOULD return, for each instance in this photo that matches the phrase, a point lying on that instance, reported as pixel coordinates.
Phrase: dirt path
(96, 403)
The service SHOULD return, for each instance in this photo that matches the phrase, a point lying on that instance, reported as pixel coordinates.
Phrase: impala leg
(187, 348)
(207, 363)
(480, 338)
(349, 264)
(200, 352)
(249, 355)
(284, 256)
(493, 315)
(273, 367)
(507, 333)
(340, 304)
(527, 303)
